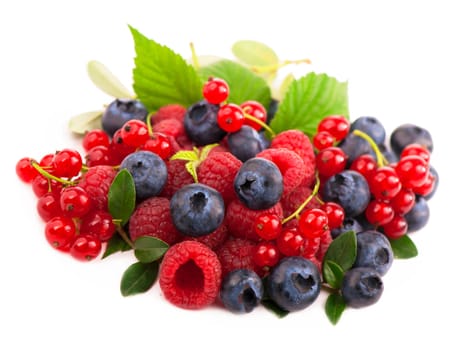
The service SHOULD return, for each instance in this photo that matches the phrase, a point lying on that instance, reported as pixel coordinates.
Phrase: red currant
(427, 187)
(335, 214)
(215, 90)
(48, 206)
(67, 163)
(98, 223)
(384, 183)
(25, 171)
(42, 185)
(378, 212)
(256, 110)
(313, 223)
(75, 201)
(93, 138)
(364, 164)
(290, 242)
(134, 133)
(85, 247)
(98, 155)
(46, 163)
(396, 228)
(403, 202)
(159, 144)
(268, 226)
(323, 139)
(59, 231)
(230, 117)
(337, 125)
(266, 254)
(415, 149)
(330, 161)
(412, 170)
(119, 149)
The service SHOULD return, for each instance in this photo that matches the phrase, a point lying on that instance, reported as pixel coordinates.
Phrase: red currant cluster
(231, 117)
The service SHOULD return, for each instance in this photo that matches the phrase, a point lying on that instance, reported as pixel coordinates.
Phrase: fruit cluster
(247, 216)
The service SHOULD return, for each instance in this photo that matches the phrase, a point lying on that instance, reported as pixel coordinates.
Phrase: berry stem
(195, 60)
(49, 176)
(296, 213)
(123, 234)
(274, 67)
(262, 124)
(381, 160)
(149, 123)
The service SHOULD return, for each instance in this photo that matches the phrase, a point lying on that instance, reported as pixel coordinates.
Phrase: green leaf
(185, 155)
(114, 245)
(244, 85)
(161, 76)
(149, 249)
(122, 196)
(335, 305)
(84, 122)
(308, 100)
(139, 278)
(254, 53)
(274, 308)
(342, 250)
(403, 248)
(332, 273)
(107, 82)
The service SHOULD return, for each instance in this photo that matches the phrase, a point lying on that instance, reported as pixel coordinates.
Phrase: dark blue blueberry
(389, 155)
(354, 146)
(272, 109)
(418, 216)
(374, 251)
(349, 189)
(437, 180)
(149, 173)
(361, 287)
(119, 111)
(294, 283)
(407, 134)
(246, 143)
(197, 209)
(200, 123)
(371, 126)
(258, 183)
(349, 224)
(241, 290)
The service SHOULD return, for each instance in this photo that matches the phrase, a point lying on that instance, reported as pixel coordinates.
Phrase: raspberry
(240, 219)
(297, 141)
(152, 218)
(325, 241)
(173, 111)
(173, 127)
(237, 253)
(177, 177)
(96, 182)
(190, 275)
(290, 164)
(212, 240)
(218, 170)
(293, 201)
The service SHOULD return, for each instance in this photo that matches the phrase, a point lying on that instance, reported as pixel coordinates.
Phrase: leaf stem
(195, 60)
(305, 203)
(124, 236)
(381, 160)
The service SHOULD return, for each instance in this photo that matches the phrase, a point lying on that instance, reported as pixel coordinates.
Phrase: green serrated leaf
(335, 305)
(244, 85)
(185, 155)
(332, 273)
(107, 82)
(342, 250)
(139, 278)
(149, 249)
(161, 76)
(122, 196)
(84, 122)
(114, 245)
(308, 100)
(254, 53)
(403, 247)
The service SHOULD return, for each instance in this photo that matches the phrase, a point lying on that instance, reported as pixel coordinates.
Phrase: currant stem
(305, 203)
(262, 124)
(149, 123)
(381, 160)
(274, 67)
(47, 175)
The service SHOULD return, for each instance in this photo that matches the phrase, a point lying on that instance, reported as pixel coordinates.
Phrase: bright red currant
(290, 242)
(159, 144)
(98, 223)
(415, 149)
(268, 226)
(335, 214)
(48, 206)
(330, 161)
(93, 138)
(313, 223)
(384, 183)
(337, 125)
(67, 163)
(256, 110)
(396, 228)
(98, 155)
(134, 133)
(323, 139)
(25, 171)
(230, 117)
(215, 90)
(85, 247)
(75, 201)
(119, 149)
(378, 212)
(59, 231)
(364, 164)
(266, 254)
(403, 202)
(427, 187)
(42, 185)
(412, 170)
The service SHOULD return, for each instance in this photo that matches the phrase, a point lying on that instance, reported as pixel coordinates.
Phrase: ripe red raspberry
(174, 128)
(96, 182)
(212, 240)
(240, 219)
(152, 218)
(218, 171)
(177, 177)
(290, 165)
(190, 275)
(297, 141)
(295, 199)
(173, 111)
(237, 253)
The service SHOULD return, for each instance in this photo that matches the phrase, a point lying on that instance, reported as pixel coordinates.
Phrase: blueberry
(272, 109)
(418, 216)
(149, 173)
(349, 189)
(200, 123)
(121, 110)
(246, 143)
(241, 290)
(361, 287)
(258, 183)
(389, 155)
(354, 146)
(197, 209)
(409, 133)
(349, 224)
(294, 283)
(371, 126)
(374, 251)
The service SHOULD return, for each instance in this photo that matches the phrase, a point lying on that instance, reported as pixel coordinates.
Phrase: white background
(403, 63)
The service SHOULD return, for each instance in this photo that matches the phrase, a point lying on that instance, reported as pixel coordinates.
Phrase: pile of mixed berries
(247, 215)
